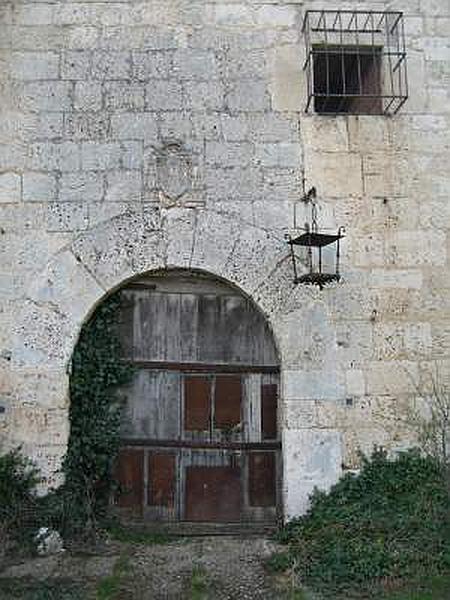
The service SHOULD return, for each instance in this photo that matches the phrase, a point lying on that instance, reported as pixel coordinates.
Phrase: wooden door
(200, 439)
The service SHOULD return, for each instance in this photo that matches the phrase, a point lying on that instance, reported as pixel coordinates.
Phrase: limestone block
(140, 126)
(88, 96)
(324, 133)
(35, 37)
(67, 216)
(236, 64)
(132, 154)
(276, 16)
(33, 126)
(111, 65)
(206, 126)
(402, 341)
(355, 384)
(254, 255)
(22, 217)
(228, 154)
(287, 85)
(391, 377)
(65, 283)
(337, 174)
(42, 425)
(124, 186)
(175, 126)
(35, 14)
(280, 154)
(233, 15)
(42, 337)
(195, 64)
(152, 65)
(98, 155)
(436, 48)
(179, 228)
(49, 156)
(368, 251)
(164, 95)
(307, 338)
(41, 387)
(86, 126)
(396, 278)
(311, 458)
(46, 96)
(34, 65)
(210, 252)
(410, 249)
(273, 127)
(247, 95)
(38, 187)
(122, 247)
(10, 187)
(312, 385)
(232, 182)
(204, 95)
(13, 157)
(440, 333)
(123, 96)
(81, 37)
(75, 64)
(369, 133)
(79, 186)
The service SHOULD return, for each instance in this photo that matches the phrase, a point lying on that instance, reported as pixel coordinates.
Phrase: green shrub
(389, 522)
(18, 479)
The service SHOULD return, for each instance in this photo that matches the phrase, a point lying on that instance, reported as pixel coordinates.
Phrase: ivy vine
(98, 371)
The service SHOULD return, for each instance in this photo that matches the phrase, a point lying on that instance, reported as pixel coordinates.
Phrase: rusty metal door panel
(269, 427)
(161, 480)
(227, 401)
(129, 472)
(213, 494)
(262, 479)
(197, 403)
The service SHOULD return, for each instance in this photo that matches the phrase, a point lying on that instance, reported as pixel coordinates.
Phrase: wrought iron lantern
(314, 242)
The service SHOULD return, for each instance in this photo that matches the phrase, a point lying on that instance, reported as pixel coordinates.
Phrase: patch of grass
(198, 583)
(23, 589)
(109, 587)
(389, 523)
(121, 534)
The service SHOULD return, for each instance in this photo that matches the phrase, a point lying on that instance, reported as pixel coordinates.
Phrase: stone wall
(171, 133)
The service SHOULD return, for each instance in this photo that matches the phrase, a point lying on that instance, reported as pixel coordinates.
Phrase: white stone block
(10, 187)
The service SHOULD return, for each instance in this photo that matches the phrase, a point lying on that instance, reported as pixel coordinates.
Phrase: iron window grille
(355, 61)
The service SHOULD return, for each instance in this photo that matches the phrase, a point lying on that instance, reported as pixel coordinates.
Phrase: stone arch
(78, 277)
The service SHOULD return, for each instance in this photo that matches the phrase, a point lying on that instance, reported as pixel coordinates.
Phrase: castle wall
(171, 133)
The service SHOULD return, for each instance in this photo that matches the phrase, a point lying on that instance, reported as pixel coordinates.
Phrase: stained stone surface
(137, 136)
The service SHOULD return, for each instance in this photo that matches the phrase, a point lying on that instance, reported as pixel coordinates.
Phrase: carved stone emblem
(174, 170)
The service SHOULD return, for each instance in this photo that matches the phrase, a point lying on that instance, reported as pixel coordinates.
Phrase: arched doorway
(200, 434)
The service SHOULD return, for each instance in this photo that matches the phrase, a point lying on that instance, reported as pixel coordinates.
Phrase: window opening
(355, 62)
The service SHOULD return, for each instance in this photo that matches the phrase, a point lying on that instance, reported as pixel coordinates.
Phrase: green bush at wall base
(390, 522)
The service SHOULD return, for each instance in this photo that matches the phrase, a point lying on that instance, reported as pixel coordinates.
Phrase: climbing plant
(98, 371)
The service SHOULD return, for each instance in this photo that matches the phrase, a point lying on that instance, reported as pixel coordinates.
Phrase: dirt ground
(203, 568)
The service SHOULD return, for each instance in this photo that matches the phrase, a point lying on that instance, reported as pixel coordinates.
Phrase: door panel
(197, 403)
(227, 401)
(130, 475)
(262, 479)
(213, 494)
(161, 480)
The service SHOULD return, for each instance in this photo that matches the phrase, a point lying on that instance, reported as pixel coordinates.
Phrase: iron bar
(353, 54)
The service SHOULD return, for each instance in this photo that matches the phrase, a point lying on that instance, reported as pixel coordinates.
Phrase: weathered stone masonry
(170, 133)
